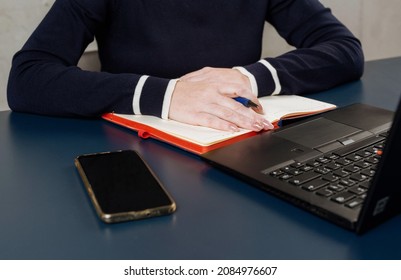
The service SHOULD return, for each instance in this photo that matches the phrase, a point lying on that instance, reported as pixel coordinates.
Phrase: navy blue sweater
(165, 39)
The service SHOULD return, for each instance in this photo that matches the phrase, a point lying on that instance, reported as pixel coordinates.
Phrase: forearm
(44, 84)
(40, 84)
(327, 53)
(320, 67)
(310, 69)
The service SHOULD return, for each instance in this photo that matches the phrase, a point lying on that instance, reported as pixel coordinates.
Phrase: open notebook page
(275, 108)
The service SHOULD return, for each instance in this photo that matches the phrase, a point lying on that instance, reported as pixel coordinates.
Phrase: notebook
(342, 165)
(198, 140)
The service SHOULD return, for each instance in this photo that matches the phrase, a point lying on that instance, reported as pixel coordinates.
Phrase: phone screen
(122, 186)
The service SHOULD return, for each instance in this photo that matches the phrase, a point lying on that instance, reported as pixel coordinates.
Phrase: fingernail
(257, 126)
(268, 125)
(260, 110)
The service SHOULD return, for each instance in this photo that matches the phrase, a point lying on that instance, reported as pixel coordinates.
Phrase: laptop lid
(255, 158)
(384, 197)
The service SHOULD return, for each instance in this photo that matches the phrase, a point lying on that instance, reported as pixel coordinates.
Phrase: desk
(46, 214)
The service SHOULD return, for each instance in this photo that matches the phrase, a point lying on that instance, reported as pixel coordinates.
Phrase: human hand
(205, 98)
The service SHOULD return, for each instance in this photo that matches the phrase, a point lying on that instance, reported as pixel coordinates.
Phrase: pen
(246, 102)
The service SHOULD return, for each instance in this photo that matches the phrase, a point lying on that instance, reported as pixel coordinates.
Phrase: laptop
(343, 165)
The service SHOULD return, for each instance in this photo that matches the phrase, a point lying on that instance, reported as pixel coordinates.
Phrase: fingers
(247, 120)
(204, 104)
(239, 115)
(232, 83)
(222, 118)
(212, 121)
(225, 99)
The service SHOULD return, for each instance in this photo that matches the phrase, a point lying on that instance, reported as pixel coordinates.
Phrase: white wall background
(377, 23)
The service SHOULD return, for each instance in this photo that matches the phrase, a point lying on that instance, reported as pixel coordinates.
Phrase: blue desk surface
(46, 214)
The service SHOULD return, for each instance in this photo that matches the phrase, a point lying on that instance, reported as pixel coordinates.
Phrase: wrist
(250, 79)
(266, 77)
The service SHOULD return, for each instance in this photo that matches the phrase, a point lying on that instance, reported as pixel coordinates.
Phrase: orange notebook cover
(198, 140)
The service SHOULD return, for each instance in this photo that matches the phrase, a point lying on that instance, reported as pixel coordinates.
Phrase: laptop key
(325, 192)
(330, 177)
(358, 190)
(306, 168)
(368, 172)
(343, 197)
(354, 203)
(285, 176)
(341, 173)
(337, 188)
(354, 157)
(276, 173)
(323, 160)
(363, 153)
(295, 172)
(358, 177)
(304, 177)
(365, 184)
(297, 165)
(372, 160)
(313, 163)
(322, 170)
(314, 185)
(333, 166)
(343, 161)
(362, 164)
(352, 168)
(346, 182)
(287, 169)
(333, 156)
(363, 196)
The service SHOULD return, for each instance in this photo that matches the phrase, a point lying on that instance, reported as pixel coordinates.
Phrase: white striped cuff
(137, 95)
(273, 72)
(167, 98)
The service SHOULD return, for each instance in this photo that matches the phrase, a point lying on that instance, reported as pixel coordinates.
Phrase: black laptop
(343, 165)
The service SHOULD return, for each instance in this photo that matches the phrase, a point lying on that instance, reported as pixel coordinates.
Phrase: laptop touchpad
(316, 132)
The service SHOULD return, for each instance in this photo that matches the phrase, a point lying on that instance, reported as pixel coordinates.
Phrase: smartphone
(122, 187)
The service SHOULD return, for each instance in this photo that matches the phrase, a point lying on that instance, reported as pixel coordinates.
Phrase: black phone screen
(122, 182)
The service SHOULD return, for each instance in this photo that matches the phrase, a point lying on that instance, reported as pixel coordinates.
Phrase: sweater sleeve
(327, 53)
(45, 79)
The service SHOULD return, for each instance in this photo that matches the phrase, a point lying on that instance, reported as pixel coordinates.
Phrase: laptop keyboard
(342, 176)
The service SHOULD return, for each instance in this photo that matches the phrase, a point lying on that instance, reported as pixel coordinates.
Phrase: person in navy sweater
(179, 59)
